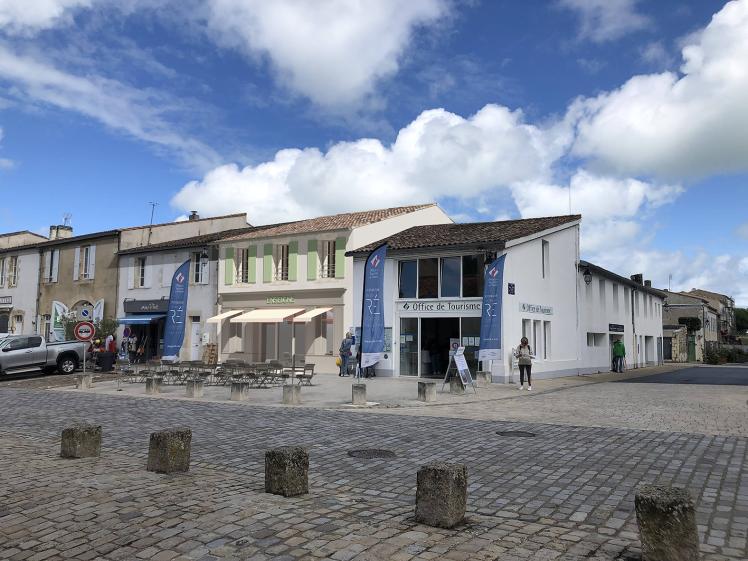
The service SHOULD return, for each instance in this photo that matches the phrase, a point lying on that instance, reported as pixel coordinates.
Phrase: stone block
(456, 386)
(291, 395)
(287, 471)
(195, 388)
(169, 450)
(667, 524)
(441, 494)
(239, 391)
(358, 394)
(153, 385)
(83, 381)
(483, 378)
(81, 440)
(427, 391)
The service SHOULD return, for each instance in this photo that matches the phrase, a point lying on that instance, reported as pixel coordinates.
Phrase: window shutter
(293, 256)
(48, 265)
(76, 263)
(252, 264)
(228, 266)
(311, 260)
(91, 261)
(147, 275)
(267, 262)
(339, 258)
(55, 264)
(131, 272)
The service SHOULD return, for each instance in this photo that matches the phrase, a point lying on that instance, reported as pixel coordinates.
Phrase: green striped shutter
(311, 260)
(293, 256)
(228, 263)
(267, 263)
(252, 264)
(339, 258)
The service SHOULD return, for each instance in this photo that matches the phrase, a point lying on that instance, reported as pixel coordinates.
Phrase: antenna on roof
(153, 209)
(66, 219)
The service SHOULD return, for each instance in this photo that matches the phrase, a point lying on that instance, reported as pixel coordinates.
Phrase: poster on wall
(174, 331)
(372, 312)
(490, 322)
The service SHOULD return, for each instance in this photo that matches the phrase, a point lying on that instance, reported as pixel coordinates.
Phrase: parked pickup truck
(24, 353)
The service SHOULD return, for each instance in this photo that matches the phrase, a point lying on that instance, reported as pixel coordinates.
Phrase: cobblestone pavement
(566, 494)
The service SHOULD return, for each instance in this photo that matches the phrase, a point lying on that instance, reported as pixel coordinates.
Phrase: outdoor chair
(305, 378)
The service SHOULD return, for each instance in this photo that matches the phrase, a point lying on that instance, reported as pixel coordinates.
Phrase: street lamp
(587, 276)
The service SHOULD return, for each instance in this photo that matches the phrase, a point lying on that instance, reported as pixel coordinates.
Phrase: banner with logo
(174, 331)
(490, 322)
(372, 313)
(57, 329)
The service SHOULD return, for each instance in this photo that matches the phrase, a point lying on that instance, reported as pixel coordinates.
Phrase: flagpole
(363, 303)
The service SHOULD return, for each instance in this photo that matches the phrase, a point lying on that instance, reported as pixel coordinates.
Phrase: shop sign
(615, 328)
(6, 300)
(440, 306)
(146, 306)
(535, 309)
(280, 300)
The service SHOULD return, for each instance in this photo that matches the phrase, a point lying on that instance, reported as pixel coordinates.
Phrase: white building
(286, 290)
(19, 282)
(433, 298)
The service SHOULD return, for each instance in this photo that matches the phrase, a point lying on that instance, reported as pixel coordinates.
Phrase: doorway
(195, 339)
(435, 344)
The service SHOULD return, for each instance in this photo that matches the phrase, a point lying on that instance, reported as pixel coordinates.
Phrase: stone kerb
(239, 390)
(83, 381)
(358, 394)
(194, 388)
(456, 386)
(81, 440)
(291, 394)
(287, 471)
(667, 524)
(169, 450)
(153, 385)
(441, 494)
(426, 391)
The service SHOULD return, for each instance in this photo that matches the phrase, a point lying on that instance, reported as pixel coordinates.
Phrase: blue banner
(372, 313)
(174, 332)
(490, 322)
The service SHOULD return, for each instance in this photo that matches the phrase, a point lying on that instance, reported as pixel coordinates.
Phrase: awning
(310, 315)
(220, 317)
(140, 319)
(267, 315)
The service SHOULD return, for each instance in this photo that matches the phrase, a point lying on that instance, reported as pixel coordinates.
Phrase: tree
(692, 324)
(741, 319)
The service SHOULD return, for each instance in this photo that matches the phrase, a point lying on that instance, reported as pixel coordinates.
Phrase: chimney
(648, 283)
(60, 231)
(638, 278)
(194, 215)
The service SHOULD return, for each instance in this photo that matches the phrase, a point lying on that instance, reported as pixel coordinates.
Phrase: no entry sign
(84, 331)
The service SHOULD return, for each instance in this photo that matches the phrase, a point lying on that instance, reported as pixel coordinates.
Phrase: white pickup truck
(26, 353)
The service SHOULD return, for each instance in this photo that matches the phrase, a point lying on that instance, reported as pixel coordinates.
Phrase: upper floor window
(327, 258)
(13, 271)
(140, 270)
(2, 271)
(281, 262)
(450, 277)
(428, 278)
(546, 258)
(242, 265)
(85, 262)
(615, 298)
(472, 275)
(408, 279)
(199, 267)
(51, 265)
(601, 284)
(445, 277)
(627, 301)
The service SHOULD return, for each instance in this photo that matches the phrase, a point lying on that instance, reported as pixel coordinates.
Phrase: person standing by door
(345, 353)
(524, 361)
(619, 356)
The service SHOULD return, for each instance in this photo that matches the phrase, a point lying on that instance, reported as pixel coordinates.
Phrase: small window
(51, 265)
(601, 285)
(327, 270)
(626, 301)
(428, 278)
(13, 271)
(615, 298)
(241, 260)
(2, 271)
(546, 258)
(408, 279)
(199, 268)
(472, 276)
(84, 265)
(281, 262)
(450, 285)
(140, 264)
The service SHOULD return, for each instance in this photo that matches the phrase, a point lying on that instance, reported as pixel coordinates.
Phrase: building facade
(19, 282)
(725, 307)
(679, 308)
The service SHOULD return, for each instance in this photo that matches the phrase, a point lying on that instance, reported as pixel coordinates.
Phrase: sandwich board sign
(458, 366)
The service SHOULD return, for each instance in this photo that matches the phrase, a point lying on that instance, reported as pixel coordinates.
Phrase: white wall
(148, 235)
(24, 294)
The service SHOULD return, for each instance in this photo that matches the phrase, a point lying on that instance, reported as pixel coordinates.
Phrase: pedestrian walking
(619, 356)
(345, 353)
(524, 360)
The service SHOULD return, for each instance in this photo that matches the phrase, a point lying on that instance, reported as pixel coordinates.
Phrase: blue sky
(293, 109)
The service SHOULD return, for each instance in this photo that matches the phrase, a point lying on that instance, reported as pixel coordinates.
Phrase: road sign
(84, 331)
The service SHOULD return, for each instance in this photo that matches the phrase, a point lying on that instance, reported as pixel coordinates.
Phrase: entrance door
(435, 337)
(409, 347)
(691, 348)
(195, 341)
(4, 320)
(667, 344)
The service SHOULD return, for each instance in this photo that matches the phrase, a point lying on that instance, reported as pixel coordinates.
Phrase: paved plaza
(566, 493)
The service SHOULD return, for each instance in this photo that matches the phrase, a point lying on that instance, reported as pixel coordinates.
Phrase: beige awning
(310, 315)
(267, 315)
(220, 317)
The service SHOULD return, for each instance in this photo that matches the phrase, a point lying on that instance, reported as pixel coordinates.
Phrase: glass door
(470, 339)
(409, 347)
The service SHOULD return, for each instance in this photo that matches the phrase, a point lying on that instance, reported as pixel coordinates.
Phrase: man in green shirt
(619, 356)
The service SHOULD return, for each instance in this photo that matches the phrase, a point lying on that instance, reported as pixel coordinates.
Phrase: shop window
(526, 329)
(281, 262)
(536, 338)
(546, 258)
(327, 270)
(13, 271)
(450, 285)
(408, 279)
(428, 278)
(140, 264)
(590, 339)
(199, 268)
(547, 340)
(472, 276)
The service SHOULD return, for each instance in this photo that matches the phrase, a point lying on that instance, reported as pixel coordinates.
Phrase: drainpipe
(633, 326)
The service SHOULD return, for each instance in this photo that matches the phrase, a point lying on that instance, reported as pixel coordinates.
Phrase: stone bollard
(169, 450)
(153, 385)
(83, 381)
(239, 391)
(359, 394)
(483, 378)
(287, 471)
(194, 388)
(667, 524)
(291, 395)
(426, 391)
(81, 440)
(441, 494)
(456, 386)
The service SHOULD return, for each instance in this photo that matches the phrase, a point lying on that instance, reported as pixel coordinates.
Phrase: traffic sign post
(84, 331)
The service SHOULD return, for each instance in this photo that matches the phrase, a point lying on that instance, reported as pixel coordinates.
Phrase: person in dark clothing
(345, 354)
(524, 360)
(433, 349)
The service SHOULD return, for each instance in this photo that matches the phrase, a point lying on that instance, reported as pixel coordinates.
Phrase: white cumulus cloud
(25, 17)
(606, 20)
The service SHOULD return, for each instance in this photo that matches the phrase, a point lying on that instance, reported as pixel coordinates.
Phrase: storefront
(144, 322)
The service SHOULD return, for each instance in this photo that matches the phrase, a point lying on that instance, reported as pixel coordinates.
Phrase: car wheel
(67, 365)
